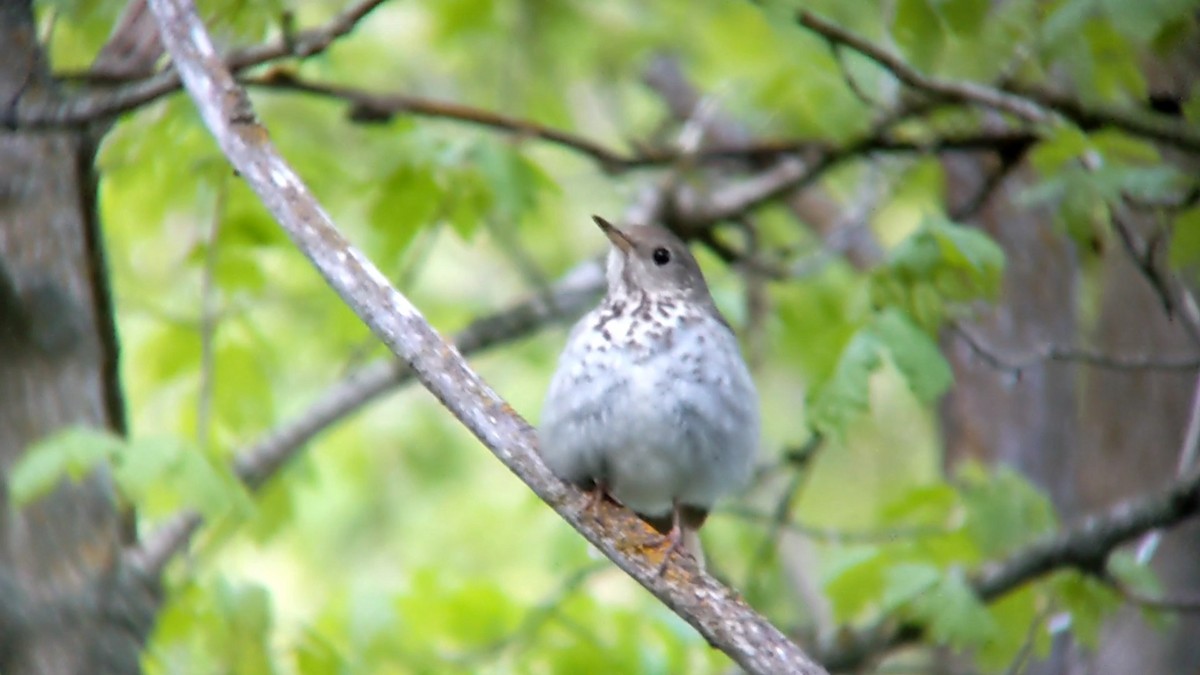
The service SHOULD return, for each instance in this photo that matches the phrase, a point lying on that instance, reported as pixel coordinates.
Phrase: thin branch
(1085, 547)
(967, 92)
(1168, 129)
(1032, 104)
(1148, 546)
(368, 106)
(371, 107)
(103, 103)
(713, 609)
(995, 178)
(1015, 365)
(132, 48)
(793, 173)
(1142, 258)
(259, 462)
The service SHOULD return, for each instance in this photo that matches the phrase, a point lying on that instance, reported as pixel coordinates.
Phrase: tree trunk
(1090, 437)
(1026, 422)
(66, 603)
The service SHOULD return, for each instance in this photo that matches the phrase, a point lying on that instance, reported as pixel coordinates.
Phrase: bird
(651, 404)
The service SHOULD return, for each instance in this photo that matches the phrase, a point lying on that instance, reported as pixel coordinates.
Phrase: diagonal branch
(967, 92)
(264, 459)
(1032, 104)
(1088, 546)
(713, 609)
(1085, 547)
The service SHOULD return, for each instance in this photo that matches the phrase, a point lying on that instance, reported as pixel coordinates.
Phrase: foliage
(394, 544)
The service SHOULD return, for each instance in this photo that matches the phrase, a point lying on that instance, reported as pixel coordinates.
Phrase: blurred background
(971, 325)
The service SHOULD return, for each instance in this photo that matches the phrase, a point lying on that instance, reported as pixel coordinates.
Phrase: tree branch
(1088, 546)
(366, 106)
(259, 462)
(1032, 104)
(1016, 364)
(966, 92)
(103, 103)
(713, 609)
(1085, 547)
(1164, 128)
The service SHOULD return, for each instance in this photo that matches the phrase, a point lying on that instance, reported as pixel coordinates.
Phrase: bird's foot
(595, 494)
(673, 541)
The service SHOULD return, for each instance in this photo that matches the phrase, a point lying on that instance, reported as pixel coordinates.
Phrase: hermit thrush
(652, 404)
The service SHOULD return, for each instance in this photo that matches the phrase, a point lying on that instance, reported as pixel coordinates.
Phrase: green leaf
(915, 354)
(1065, 20)
(964, 18)
(171, 352)
(406, 202)
(1088, 602)
(907, 581)
(954, 614)
(317, 656)
(939, 264)
(470, 200)
(242, 395)
(1015, 614)
(1137, 577)
(1140, 578)
(1062, 147)
(1185, 240)
(917, 28)
(160, 476)
(854, 580)
(1004, 510)
(245, 644)
(68, 454)
(1116, 73)
(930, 505)
(516, 182)
(846, 394)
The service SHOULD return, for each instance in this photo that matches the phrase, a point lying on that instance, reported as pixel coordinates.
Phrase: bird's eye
(661, 256)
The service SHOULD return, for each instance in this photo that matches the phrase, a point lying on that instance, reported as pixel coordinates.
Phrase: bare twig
(1173, 131)
(1015, 365)
(1032, 104)
(1142, 258)
(714, 610)
(967, 92)
(103, 103)
(371, 107)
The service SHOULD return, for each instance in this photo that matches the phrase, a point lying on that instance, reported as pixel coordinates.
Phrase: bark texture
(66, 603)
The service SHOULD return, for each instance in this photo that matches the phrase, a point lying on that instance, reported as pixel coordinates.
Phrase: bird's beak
(617, 237)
